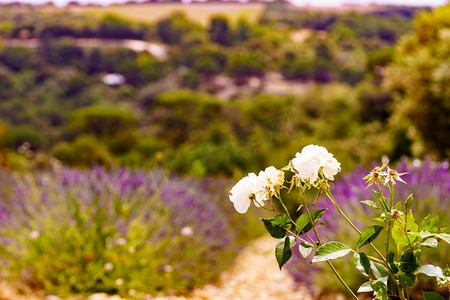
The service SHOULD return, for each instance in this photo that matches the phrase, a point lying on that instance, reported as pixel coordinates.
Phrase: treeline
(55, 102)
(32, 22)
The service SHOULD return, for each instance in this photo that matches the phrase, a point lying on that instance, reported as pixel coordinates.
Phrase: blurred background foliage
(229, 92)
(213, 100)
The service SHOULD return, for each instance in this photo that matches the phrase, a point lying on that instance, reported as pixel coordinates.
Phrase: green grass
(199, 12)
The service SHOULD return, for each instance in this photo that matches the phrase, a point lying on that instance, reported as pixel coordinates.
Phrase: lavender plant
(126, 232)
(390, 272)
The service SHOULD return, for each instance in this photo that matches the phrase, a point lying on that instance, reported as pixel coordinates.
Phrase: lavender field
(136, 233)
(122, 231)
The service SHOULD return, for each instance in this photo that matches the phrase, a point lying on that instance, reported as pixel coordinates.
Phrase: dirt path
(254, 276)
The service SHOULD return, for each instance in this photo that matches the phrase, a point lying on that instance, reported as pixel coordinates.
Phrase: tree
(219, 31)
(420, 78)
(172, 29)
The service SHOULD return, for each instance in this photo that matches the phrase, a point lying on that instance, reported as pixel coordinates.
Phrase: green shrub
(85, 151)
(18, 135)
(102, 121)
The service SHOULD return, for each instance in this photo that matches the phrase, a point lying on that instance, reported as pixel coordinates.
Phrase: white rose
(307, 166)
(311, 160)
(272, 179)
(330, 166)
(244, 189)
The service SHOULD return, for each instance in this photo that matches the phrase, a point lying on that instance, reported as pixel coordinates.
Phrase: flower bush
(390, 273)
(121, 232)
(428, 181)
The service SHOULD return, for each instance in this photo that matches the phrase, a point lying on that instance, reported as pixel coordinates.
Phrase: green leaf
(444, 236)
(283, 250)
(371, 203)
(444, 229)
(429, 224)
(425, 234)
(408, 262)
(303, 222)
(430, 243)
(380, 288)
(408, 202)
(398, 231)
(362, 263)
(365, 287)
(431, 271)
(432, 296)
(407, 279)
(391, 285)
(378, 270)
(331, 250)
(368, 235)
(391, 262)
(277, 225)
(323, 224)
(305, 249)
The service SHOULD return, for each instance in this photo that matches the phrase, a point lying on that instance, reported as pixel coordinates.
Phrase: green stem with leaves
(336, 273)
(330, 196)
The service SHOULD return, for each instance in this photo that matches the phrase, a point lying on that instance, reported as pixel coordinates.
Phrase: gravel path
(254, 276)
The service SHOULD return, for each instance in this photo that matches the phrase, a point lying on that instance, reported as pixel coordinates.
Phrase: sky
(296, 2)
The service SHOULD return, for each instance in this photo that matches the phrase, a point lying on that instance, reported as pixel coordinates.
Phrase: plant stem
(296, 236)
(389, 228)
(342, 280)
(320, 244)
(330, 196)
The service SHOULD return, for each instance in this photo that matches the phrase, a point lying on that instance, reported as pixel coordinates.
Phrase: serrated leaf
(431, 271)
(303, 222)
(391, 262)
(407, 279)
(365, 287)
(368, 235)
(398, 231)
(408, 262)
(371, 203)
(283, 250)
(432, 296)
(362, 263)
(430, 243)
(429, 224)
(305, 249)
(331, 250)
(277, 225)
(444, 236)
